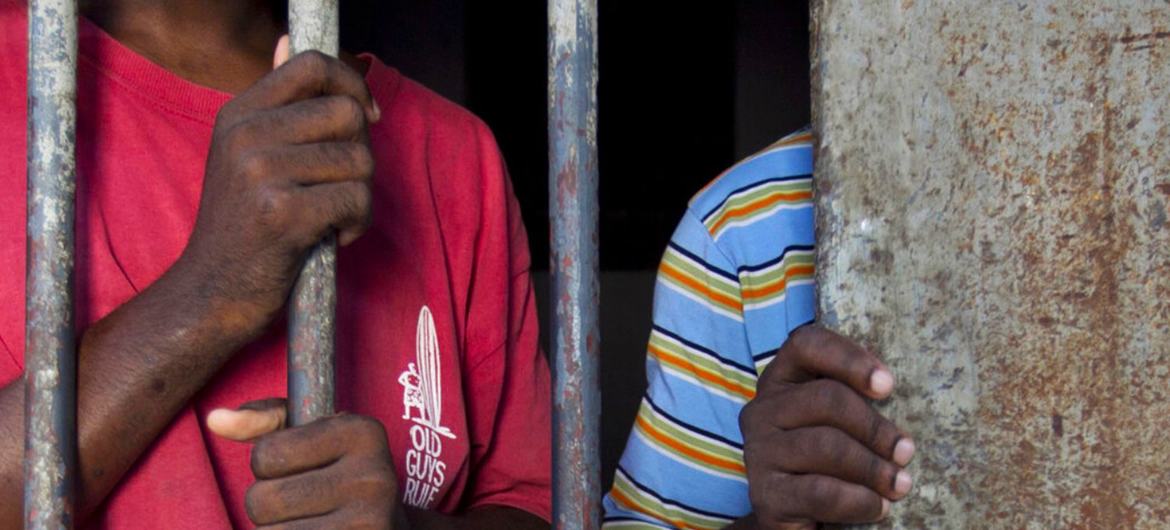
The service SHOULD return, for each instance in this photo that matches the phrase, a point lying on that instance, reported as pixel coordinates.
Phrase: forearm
(136, 369)
(488, 518)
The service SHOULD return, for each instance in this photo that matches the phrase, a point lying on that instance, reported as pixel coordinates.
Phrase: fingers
(828, 451)
(307, 75)
(826, 402)
(250, 421)
(339, 519)
(335, 472)
(328, 118)
(295, 497)
(315, 445)
(358, 488)
(312, 523)
(344, 207)
(821, 498)
(310, 164)
(812, 351)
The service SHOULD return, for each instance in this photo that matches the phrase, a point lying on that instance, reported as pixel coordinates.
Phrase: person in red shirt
(205, 175)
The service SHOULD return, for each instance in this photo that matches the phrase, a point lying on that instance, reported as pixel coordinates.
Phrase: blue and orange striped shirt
(736, 278)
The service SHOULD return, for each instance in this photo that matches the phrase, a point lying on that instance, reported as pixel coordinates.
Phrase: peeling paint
(313, 25)
(50, 359)
(991, 218)
(573, 180)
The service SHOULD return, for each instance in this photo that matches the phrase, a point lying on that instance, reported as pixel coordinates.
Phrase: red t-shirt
(437, 330)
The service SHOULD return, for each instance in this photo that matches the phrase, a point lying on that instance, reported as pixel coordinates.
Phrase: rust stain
(1003, 254)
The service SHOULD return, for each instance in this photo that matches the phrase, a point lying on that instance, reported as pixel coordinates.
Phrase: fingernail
(902, 483)
(885, 508)
(281, 54)
(881, 382)
(220, 418)
(903, 451)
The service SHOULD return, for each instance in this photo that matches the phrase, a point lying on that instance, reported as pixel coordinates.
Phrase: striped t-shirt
(736, 278)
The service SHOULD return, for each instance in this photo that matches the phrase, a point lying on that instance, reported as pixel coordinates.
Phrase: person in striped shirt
(754, 417)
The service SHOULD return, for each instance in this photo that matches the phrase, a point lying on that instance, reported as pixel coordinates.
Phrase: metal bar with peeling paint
(313, 25)
(573, 181)
(50, 360)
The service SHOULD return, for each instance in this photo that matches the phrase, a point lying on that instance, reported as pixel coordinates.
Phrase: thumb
(250, 421)
(281, 55)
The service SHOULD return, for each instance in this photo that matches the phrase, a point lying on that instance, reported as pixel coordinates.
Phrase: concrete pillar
(992, 189)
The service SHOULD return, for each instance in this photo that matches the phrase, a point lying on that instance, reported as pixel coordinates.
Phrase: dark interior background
(685, 90)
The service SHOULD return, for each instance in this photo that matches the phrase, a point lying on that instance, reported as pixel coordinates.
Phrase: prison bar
(313, 25)
(573, 179)
(50, 362)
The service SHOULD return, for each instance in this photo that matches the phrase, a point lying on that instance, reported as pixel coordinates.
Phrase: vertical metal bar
(50, 361)
(573, 179)
(313, 25)
(992, 182)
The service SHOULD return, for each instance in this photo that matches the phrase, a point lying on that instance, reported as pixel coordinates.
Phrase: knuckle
(877, 432)
(272, 206)
(836, 445)
(254, 502)
(365, 520)
(363, 161)
(371, 428)
(772, 501)
(796, 450)
(314, 63)
(347, 109)
(226, 113)
(263, 455)
(375, 482)
(237, 138)
(364, 198)
(254, 166)
(361, 426)
(875, 473)
(831, 394)
(747, 416)
(805, 337)
(346, 207)
(820, 495)
(761, 491)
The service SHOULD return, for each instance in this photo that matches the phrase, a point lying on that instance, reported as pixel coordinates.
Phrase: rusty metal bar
(993, 183)
(573, 179)
(313, 25)
(50, 445)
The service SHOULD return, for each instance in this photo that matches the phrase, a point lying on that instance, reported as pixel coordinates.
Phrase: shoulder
(789, 158)
(428, 140)
(761, 205)
(421, 115)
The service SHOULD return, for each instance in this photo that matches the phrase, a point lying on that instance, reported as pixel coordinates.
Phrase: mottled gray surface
(992, 205)
(50, 362)
(573, 262)
(313, 25)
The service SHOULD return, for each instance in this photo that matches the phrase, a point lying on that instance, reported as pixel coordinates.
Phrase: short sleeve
(683, 462)
(9, 369)
(508, 386)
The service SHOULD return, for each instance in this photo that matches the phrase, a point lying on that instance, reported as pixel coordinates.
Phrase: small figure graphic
(412, 395)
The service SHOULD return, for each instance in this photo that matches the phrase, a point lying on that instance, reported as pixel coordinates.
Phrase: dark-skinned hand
(814, 447)
(289, 164)
(335, 472)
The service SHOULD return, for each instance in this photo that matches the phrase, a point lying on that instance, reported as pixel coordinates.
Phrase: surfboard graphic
(430, 374)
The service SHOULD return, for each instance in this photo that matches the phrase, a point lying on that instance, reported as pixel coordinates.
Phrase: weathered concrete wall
(993, 179)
